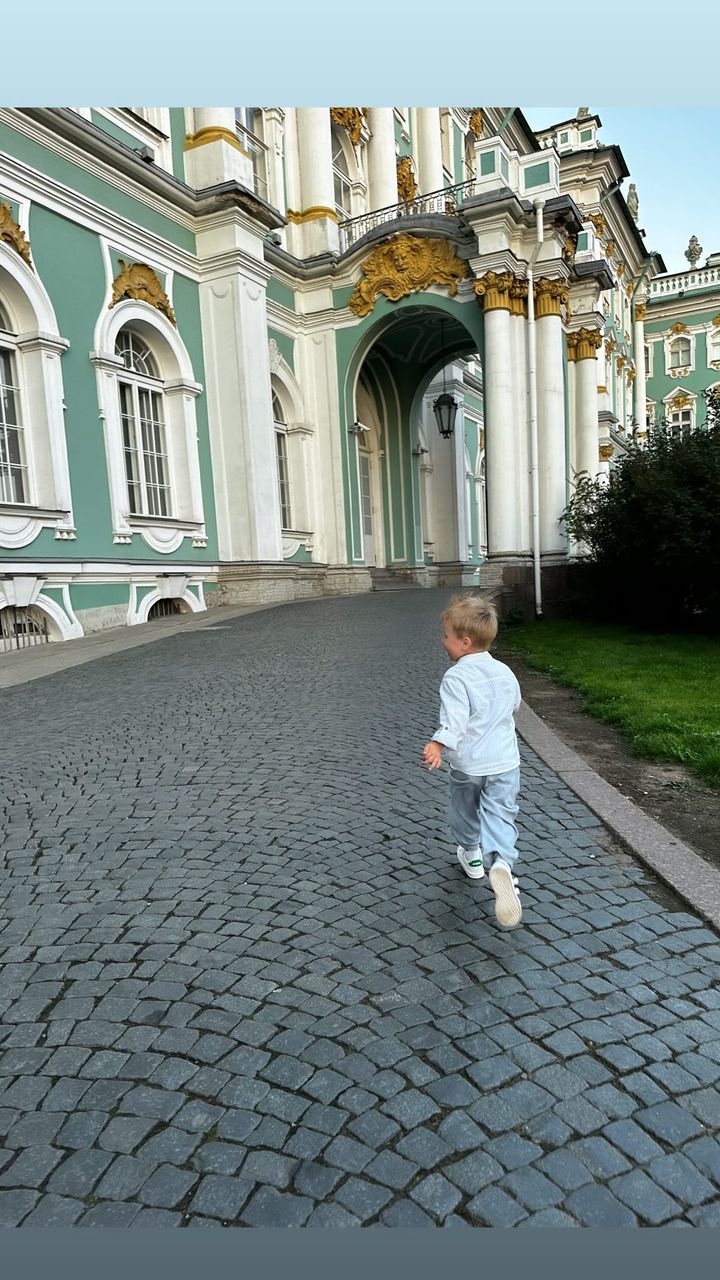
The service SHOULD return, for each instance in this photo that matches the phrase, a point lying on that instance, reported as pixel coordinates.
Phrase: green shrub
(652, 530)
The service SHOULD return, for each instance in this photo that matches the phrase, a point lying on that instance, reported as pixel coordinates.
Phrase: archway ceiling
(421, 336)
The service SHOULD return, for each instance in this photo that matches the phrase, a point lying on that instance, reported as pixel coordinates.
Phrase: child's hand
(432, 755)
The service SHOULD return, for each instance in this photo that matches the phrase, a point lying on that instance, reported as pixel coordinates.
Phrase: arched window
(146, 394)
(14, 483)
(281, 453)
(341, 178)
(142, 414)
(34, 473)
(680, 353)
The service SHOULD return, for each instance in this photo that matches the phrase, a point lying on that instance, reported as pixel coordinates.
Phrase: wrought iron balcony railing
(445, 201)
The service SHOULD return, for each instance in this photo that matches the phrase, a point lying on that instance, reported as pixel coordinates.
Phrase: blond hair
(473, 616)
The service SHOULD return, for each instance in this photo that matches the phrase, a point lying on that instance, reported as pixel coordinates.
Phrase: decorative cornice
(406, 264)
(312, 214)
(494, 290)
(214, 133)
(351, 119)
(139, 281)
(583, 344)
(12, 233)
(406, 184)
(476, 123)
(550, 296)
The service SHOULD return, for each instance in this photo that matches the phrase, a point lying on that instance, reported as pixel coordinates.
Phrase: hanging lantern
(446, 406)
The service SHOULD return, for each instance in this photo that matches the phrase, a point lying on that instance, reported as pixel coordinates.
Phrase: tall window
(713, 345)
(341, 178)
(249, 125)
(143, 428)
(13, 465)
(282, 463)
(648, 360)
(680, 354)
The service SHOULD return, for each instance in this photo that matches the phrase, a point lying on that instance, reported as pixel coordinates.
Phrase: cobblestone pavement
(245, 980)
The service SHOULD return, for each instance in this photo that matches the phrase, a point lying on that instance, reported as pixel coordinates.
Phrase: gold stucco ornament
(140, 282)
(351, 119)
(406, 264)
(12, 233)
(406, 184)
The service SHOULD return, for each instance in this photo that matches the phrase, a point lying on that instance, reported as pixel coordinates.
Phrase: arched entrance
(407, 487)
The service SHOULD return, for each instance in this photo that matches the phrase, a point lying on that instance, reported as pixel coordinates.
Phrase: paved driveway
(245, 981)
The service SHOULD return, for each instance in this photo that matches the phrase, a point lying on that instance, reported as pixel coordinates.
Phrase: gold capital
(494, 289)
(583, 344)
(550, 295)
(518, 297)
(640, 310)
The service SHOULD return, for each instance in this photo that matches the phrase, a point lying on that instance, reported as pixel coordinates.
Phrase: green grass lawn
(661, 691)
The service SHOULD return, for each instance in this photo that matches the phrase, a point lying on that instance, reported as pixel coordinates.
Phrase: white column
(518, 332)
(382, 171)
(214, 153)
(551, 415)
(500, 416)
(639, 348)
(584, 348)
(317, 216)
(429, 149)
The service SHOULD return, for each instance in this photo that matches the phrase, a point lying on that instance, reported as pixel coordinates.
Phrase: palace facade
(262, 354)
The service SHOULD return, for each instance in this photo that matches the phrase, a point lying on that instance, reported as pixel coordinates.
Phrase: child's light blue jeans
(483, 812)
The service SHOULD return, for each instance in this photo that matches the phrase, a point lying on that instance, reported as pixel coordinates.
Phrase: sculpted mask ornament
(406, 264)
(477, 121)
(351, 119)
(598, 221)
(12, 233)
(139, 281)
(406, 184)
(606, 452)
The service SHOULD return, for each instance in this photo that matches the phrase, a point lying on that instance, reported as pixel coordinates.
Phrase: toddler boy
(478, 696)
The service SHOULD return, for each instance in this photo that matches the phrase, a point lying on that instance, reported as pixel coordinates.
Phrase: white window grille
(147, 467)
(680, 353)
(249, 124)
(283, 470)
(341, 179)
(14, 485)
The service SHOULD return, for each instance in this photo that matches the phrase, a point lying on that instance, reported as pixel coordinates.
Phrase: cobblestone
(234, 994)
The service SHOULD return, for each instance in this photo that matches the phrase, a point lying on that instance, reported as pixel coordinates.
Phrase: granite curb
(689, 875)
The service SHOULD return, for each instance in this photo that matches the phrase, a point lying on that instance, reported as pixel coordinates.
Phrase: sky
(672, 154)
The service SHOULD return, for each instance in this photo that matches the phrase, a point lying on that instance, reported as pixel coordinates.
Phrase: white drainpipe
(532, 404)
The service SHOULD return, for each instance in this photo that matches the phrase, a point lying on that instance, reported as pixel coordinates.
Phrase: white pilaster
(640, 377)
(237, 367)
(382, 170)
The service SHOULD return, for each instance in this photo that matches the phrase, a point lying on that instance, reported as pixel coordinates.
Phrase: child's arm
(454, 716)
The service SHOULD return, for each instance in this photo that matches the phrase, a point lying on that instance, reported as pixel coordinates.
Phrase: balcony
(445, 201)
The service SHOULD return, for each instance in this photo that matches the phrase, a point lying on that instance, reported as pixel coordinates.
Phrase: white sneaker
(471, 861)
(503, 883)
